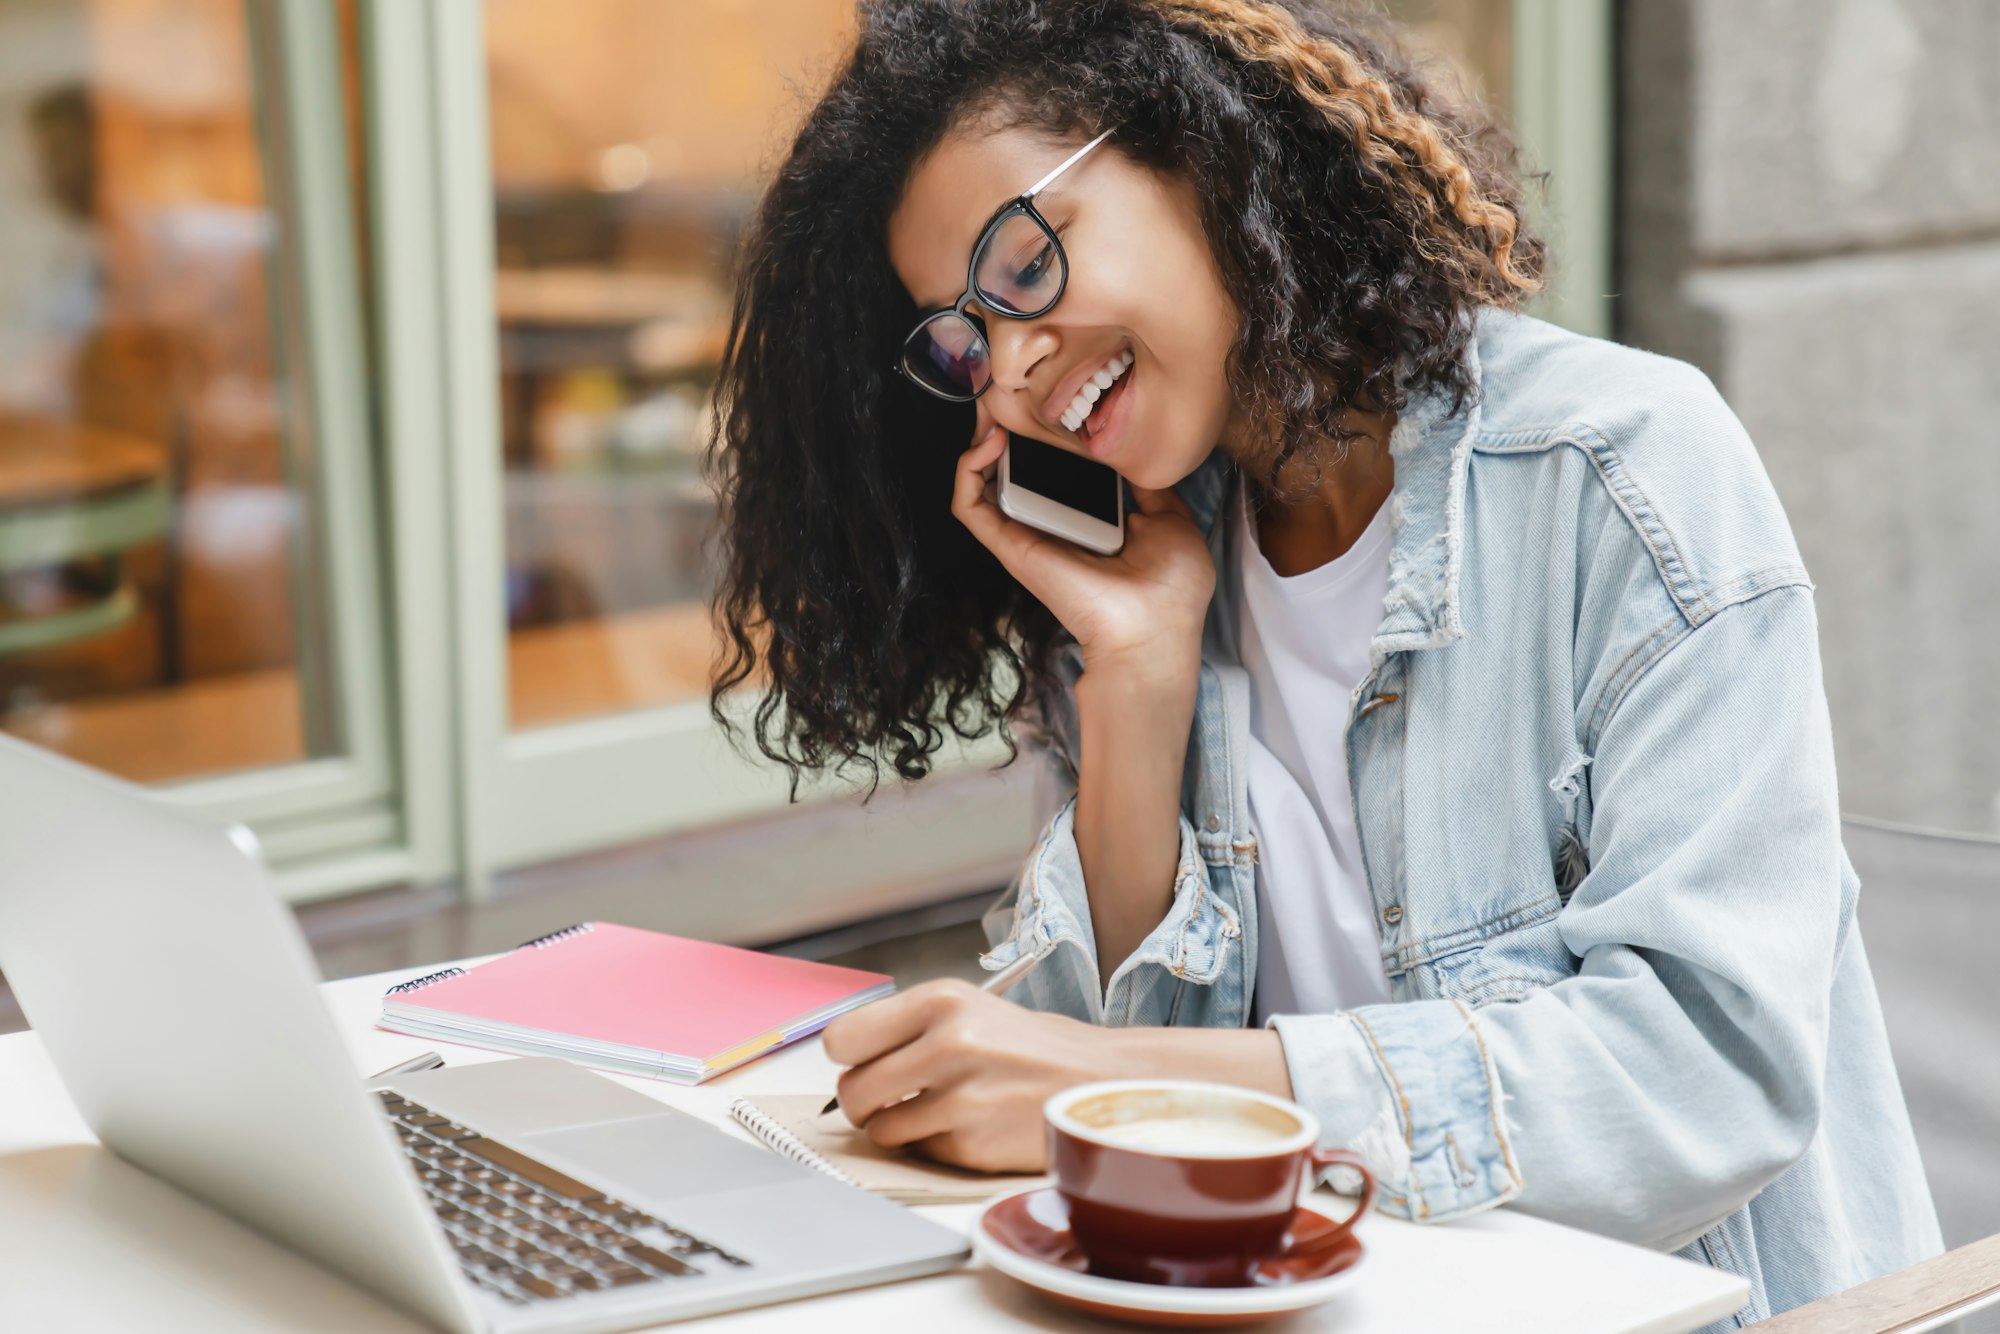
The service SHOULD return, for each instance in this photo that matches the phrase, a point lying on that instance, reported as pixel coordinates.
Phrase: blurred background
(353, 373)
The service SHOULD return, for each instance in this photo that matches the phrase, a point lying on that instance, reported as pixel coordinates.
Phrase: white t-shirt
(1304, 640)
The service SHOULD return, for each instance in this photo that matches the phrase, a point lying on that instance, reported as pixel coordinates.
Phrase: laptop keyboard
(525, 1231)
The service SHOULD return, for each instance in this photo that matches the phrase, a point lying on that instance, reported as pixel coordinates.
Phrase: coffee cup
(1186, 1183)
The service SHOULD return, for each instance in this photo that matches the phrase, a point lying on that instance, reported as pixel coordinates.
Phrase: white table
(88, 1242)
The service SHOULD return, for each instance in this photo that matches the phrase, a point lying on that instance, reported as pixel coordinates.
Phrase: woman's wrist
(1251, 1058)
(1158, 674)
(1133, 737)
(1166, 642)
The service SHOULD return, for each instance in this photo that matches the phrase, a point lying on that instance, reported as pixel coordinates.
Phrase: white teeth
(1093, 389)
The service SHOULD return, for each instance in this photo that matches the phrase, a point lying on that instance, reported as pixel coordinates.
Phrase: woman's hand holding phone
(1141, 609)
(1138, 616)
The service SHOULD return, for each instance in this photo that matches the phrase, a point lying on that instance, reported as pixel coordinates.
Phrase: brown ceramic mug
(1182, 1182)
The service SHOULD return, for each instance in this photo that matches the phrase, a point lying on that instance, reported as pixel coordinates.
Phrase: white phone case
(1052, 516)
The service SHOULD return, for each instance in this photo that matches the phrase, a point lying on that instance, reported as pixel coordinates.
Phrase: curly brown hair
(1358, 210)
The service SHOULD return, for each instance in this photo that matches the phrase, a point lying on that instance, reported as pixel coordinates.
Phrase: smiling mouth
(1093, 390)
(1100, 411)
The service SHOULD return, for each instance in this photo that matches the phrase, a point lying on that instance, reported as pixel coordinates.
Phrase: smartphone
(1065, 494)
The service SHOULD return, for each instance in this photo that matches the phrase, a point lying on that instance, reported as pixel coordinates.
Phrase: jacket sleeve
(1046, 911)
(1680, 1070)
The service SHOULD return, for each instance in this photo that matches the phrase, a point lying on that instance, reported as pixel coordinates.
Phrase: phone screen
(1068, 479)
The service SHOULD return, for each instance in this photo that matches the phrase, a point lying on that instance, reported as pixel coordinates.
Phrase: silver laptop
(176, 997)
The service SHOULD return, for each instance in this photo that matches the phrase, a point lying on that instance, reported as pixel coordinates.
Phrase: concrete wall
(1810, 211)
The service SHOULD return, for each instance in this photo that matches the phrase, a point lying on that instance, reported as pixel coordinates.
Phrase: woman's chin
(1156, 474)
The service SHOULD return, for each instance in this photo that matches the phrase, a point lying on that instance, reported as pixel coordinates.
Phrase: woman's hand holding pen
(959, 1074)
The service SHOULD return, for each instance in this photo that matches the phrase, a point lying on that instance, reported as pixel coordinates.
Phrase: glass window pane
(628, 138)
(159, 585)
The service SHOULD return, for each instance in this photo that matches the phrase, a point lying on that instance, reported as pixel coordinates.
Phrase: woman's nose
(1015, 346)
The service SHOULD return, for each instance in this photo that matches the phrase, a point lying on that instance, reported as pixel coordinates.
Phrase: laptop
(176, 997)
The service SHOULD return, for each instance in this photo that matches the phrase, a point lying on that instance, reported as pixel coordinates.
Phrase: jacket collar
(1432, 448)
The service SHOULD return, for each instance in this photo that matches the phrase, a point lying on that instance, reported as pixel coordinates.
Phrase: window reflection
(150, 516)
(630, 141)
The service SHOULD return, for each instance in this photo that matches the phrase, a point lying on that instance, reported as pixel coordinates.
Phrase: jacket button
(1214, 823)
(1392, 914)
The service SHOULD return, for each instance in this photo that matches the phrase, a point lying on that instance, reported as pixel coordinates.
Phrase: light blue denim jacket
(1593, 779)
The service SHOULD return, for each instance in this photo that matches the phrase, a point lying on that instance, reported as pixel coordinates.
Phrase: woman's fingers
(975, 466)
(874, 1030)
(1026, 553)
(968, 1088)
(911, 1122)
(904, 1046)
(869, 1091)
(967, 1114)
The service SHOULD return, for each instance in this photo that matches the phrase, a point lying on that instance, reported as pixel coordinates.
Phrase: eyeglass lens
(1018, 271)
(948, 356)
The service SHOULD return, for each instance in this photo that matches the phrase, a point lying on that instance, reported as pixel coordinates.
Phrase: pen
(996, 984)
(430, 1060)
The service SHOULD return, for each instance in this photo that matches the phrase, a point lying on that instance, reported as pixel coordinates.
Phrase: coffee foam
(1200, 1132)
(1199, 1122)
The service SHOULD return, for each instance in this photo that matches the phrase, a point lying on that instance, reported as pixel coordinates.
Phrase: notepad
(637, 1002)
(791, 1124)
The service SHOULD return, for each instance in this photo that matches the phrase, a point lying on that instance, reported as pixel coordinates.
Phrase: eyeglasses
(1017, 270)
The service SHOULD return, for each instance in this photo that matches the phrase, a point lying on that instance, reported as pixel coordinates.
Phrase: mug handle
(1321, 1159)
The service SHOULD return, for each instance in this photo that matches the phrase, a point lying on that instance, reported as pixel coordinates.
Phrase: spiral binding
(427, 979)
(783, 1141)
(543, 942)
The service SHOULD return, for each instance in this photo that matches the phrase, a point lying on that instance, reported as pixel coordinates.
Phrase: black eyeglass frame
(1021, 204)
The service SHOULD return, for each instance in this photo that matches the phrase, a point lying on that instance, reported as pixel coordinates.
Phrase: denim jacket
(1593, 778)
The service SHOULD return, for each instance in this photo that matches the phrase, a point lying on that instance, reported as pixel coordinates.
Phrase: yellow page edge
(739, 1054)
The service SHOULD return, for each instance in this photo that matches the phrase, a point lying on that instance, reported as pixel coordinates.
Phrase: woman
(1448, 741)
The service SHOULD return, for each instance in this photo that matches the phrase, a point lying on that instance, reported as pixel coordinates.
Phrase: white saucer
(1044, 1210)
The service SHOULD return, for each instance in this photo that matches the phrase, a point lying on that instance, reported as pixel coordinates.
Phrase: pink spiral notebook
(637, 1002)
